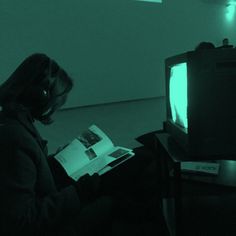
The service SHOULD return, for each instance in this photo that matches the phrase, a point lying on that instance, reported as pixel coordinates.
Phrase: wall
(113, 49)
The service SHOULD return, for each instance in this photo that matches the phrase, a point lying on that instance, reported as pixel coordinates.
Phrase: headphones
(44, 88)
(41, 93)
(45, 93)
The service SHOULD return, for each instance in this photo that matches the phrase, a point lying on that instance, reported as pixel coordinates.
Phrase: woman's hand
(88, 187)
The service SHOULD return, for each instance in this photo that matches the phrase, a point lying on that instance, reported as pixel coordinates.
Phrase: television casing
(211, 98)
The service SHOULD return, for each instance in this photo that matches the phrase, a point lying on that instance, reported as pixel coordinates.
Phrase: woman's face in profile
(60, 101)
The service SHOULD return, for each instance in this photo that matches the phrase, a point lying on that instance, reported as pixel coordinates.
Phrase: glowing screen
(178, 94)
(159, 1)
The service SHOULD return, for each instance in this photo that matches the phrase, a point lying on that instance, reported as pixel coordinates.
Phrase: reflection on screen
(178, 94)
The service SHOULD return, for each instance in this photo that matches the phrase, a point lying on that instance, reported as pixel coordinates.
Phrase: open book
(91, 152)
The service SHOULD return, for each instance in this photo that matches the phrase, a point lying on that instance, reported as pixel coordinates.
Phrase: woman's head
(39, 84)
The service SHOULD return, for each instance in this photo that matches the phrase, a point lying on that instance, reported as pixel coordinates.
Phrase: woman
(37, 197)
(29, 201)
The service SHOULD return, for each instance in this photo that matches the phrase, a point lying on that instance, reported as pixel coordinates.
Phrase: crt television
(201, 102)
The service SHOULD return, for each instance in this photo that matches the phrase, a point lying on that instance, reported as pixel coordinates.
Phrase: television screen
(178, 94)
(200, 102)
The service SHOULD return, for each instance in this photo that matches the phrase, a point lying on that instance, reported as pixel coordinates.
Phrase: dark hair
(38, 84)
(205, 45)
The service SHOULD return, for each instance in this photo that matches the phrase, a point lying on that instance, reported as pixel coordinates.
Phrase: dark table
(208, 191)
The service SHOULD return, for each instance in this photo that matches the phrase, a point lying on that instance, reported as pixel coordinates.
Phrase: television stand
(183, 191)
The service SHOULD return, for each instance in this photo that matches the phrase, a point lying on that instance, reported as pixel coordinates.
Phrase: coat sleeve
(62, 180)
(23, 210)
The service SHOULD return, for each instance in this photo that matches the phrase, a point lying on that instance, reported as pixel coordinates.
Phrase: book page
(101, 162)
(73, 157)
(89, 153)
(96, 140)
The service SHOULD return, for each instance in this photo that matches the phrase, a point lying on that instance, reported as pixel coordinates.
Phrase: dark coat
(30, 203)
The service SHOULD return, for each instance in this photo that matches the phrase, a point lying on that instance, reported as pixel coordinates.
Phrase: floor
(122, 122)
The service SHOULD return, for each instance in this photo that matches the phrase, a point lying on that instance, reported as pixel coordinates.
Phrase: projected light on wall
(156, 1)
(230, 10)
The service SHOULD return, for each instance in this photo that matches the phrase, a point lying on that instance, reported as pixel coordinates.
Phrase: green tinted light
(178, 94)
(230, 11)
(159, 1)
